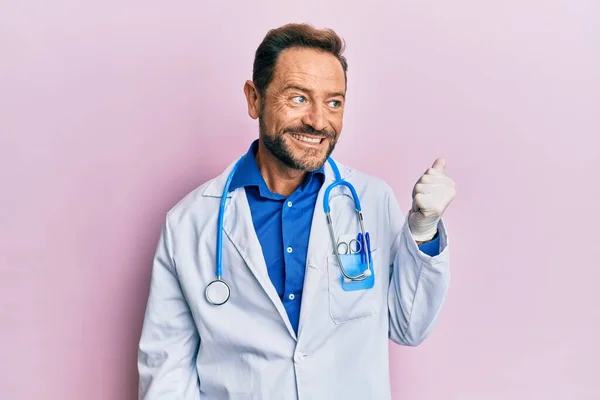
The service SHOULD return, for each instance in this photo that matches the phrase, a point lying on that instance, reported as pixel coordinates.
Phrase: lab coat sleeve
(418, 282)
(169, 340)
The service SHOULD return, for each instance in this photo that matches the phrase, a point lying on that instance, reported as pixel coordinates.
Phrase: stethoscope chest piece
(217, 292)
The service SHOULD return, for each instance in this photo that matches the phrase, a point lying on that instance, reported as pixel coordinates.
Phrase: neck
(279, 178)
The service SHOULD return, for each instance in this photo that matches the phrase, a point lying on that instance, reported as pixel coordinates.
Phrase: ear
(253, 99)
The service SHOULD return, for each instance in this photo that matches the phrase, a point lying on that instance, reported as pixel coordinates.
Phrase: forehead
(310, 68)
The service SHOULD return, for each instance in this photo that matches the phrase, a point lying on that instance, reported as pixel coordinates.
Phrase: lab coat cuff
(414, 247)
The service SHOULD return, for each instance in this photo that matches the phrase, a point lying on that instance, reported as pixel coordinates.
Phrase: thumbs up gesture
(432, 194)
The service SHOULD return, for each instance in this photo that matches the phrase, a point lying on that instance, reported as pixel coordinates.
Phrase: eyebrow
(307, 90)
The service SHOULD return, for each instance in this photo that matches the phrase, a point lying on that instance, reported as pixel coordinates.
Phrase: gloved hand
(432, 194)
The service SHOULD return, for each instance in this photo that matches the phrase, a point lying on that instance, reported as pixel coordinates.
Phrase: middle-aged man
(279, 318)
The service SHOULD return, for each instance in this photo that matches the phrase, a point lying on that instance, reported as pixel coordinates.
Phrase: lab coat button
(299, 357)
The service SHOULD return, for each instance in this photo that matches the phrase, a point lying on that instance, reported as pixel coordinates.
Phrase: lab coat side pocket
(352, 305)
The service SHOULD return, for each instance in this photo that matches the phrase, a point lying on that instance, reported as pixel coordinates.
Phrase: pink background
(111, 111)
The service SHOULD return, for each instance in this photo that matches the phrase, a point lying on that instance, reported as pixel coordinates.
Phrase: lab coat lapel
(319, 246)
(239, 228)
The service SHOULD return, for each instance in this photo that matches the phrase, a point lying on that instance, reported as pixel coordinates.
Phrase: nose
(315, 117)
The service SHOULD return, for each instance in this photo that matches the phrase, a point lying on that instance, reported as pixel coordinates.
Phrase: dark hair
(288, 36)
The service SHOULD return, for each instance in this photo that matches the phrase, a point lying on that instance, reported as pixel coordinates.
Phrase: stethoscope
(218, 291)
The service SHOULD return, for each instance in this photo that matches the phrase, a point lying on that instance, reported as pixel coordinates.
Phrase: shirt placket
(289, 239)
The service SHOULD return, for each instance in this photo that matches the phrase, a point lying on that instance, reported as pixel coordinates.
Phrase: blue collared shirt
(282, 225)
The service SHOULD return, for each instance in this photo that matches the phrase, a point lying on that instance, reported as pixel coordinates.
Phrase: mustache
(309, 130)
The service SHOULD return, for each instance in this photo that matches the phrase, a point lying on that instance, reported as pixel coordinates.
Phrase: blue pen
(359, 238)
(368, 239)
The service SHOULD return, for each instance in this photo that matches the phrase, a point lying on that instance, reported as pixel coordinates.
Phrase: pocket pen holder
(354, 266)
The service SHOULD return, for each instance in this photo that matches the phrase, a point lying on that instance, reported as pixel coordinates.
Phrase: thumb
(439, 164)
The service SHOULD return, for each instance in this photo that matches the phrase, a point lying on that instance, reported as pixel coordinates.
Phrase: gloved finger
(423, 201)
(434, 171)
(428, 205)
(424, 205)
(439, 165)
(433, 179)
(428, 187)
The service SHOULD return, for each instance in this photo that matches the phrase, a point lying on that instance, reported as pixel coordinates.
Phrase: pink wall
(110, 112)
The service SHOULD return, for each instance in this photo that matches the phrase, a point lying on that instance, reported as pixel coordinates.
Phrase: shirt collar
(248, 174)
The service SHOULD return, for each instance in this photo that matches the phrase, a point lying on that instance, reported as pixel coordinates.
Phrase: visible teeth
(306, 139)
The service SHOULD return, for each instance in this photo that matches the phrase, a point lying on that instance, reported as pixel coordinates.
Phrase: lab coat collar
(215, 187)
(248, 174)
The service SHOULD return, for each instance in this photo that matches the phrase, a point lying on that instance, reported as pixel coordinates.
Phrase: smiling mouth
(306, 139)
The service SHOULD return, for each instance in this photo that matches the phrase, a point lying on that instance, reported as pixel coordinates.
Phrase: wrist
(420, 242)
(421, 228)
(420, 239)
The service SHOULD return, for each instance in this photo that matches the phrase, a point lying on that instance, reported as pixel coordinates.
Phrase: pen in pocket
(361, 246)
(368, 240)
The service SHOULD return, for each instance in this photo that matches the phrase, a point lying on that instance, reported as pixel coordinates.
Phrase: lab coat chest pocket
(346, 306)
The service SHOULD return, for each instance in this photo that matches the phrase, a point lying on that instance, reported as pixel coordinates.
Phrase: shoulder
(200, 204)
(364, 180)
(191, 208)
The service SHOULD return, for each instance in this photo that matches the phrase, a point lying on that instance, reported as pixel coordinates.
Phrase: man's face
(301, 114)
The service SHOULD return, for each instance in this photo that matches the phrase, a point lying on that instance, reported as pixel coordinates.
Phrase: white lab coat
(246, 348)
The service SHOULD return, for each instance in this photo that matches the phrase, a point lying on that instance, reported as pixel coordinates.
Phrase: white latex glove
(432, 194)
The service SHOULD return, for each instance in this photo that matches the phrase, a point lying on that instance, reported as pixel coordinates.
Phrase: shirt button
(289, 203)
(291, 296)
(289, 250)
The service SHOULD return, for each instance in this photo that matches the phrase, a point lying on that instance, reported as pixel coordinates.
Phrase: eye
(299, 99)
(335, 103)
